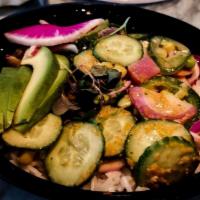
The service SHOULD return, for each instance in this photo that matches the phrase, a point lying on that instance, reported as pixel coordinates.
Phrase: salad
(95, 106)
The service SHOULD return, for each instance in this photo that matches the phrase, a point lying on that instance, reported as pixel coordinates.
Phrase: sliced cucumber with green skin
(76, 154)
(169, 54)
(144, 134)
(39, 136)
(116, 124)
(190, 62)
(119, 49)
(166, 162)
(194, 99)
(163, 83)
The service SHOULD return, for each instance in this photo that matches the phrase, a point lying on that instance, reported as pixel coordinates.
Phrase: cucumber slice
(190, 62)
(144, 134)
(76, 155)
(174, 86)
(116, 124)
(163, 83)
(39, 136)
(194, 99)
(119, 49)
(166, 162)
(169, 54)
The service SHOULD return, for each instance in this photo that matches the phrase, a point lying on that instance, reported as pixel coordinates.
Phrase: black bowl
(142, 21)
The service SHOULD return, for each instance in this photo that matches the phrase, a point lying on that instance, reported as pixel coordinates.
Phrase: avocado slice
(12, 84)
(3, 101)
(45, 69)
(9, 70)
(18, 84)
(1, 123)
(7, 83)
(51, 95)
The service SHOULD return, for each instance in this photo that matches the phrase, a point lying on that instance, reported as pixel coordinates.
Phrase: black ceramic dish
(142, 21)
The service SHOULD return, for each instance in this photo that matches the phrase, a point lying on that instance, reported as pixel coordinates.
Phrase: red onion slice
(195, 74)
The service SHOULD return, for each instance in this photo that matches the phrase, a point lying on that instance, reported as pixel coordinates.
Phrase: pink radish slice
(143, 69)
(51, 35)
(163, 105)
(195, 128)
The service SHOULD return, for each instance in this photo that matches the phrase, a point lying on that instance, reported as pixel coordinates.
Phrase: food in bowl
(95, 106)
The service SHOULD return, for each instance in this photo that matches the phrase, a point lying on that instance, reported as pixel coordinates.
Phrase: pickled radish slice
(51, 35)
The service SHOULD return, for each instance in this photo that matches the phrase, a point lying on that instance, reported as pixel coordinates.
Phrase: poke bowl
(99, 101)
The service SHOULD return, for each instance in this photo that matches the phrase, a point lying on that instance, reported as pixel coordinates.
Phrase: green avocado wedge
(3, 101)
(18, 84)
(52, 94)
(12, 84)
(45, 69)
(9, 71)
(1, 122)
